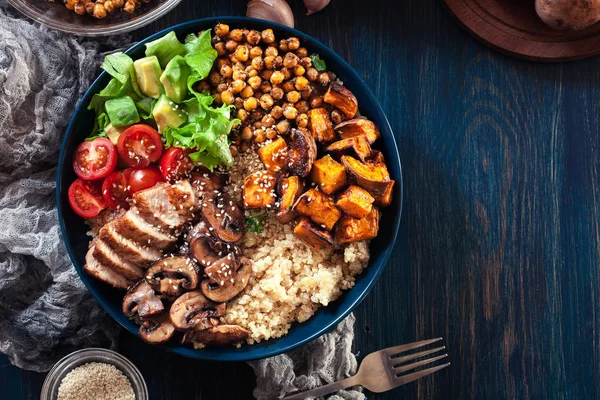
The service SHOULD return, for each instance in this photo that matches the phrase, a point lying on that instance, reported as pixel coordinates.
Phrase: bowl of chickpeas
(277, 81)
(94, 17)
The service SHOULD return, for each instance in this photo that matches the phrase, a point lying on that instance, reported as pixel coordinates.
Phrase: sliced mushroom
(302, 152)
(230, 285)
(224, 216)
(140, 299)
(221, 335)
(192, 307)
(157, 330)
(172, 275)
(204, 180)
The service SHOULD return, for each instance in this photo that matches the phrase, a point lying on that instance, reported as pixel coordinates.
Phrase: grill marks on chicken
(132, 242)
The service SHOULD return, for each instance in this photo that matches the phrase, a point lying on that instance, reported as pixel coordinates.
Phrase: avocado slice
(122, 111)
(167, 113)
(147, 74)
(113, 132)
(174, 79)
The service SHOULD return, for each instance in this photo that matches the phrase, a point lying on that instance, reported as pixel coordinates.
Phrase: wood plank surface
(499, 250)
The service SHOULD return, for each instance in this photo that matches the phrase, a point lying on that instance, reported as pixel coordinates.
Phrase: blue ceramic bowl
(74, 229)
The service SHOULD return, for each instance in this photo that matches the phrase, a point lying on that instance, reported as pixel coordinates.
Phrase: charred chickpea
(109, 6)
(258, 63)
(312, 74)
(283, 126)
(238, 85)
(269, 62)
(100, 11)
(271, 51)
(265, 87)
(218, 99)
(220, 48)
(234, 150)
(253, 37)
(337, 117)
(233, 58)
(302, 52)
(302, 120)
(227, 97)
(299, 70)
(238, 66)
(250, 103)
(118, 3)
(226, 71)
(324, 79)
(277, 93)
(247, 133)
(288, 86)
(293, 96)
(257, 115)
(283, 45)
(266, 101)
(252, 73)
(239, 75)
(256, 51)
(306, 62)
(278, 62)
(290, 112)
(277, 112)
(267, 36)
(241, 114)
(215, 39)
(242, 53)
(306, 93)
(266, 74)
(70, 4)
(302, 106)
(79, 9)
(293, 43)
(287, 74)
(254, 82)
(268, 120)
(270, 133)
(277, 78)
(231, 45)
(238, 103)
(221, 87)
(223, 61)
(247, 92)
(259, 135)
(203, 86)
(290, 60)
(237, 35)
(222, 30)
(244, 147)
(332, 75)
(301, 83)
(316, 101)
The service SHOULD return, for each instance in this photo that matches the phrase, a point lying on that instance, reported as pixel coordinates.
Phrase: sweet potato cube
(320, 125)
(355, 201)
(358, 147)
(372, 176)
(302, 152)
(274, 155)
(338, 96)
(353, 229)
(358, 127)
(289, 190)
(385, 199)
(259, 190)
(328, 174)
(319, 207)
(312, 235)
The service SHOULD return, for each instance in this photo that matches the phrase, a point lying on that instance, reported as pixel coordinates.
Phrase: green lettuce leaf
(200, 57)
(144, 107)
(120, 66)
(165, 48)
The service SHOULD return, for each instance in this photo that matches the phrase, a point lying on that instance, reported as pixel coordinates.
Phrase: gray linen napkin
(45, 310)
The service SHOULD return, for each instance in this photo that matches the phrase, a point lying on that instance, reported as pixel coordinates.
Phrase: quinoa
(95, 381)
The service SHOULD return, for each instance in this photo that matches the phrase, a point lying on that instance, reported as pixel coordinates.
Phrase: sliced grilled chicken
(167, 207)
(109, 258)
(139, 254)
(133, 227)
(103, 273)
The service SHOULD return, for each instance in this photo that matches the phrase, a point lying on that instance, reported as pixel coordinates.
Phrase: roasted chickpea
(256, 51)
(278, 62)
(244, 147)
(293, 43)
(283, 45)
(226, 71)
(271, 51)
(266, 101)
(222, 30)
(287, 74)
(266, 74)
(238, 103)
(269, 62)
(247, 92)
(312, 74)
(234, 150)
(268, 36)
(252, 73)
(238, 85)
(250, 103)
(100, 11)
(277, 93)
(217, 99)
(283, 127)
(302, 52)
(306, 93)
(268, 120)
(306, 62)
(220, 48)
(323, 79)
(242, 115)
(247, 133)
(332, 75)
(242, 53)
(290, 60)
(277, 77)
(293, 96)
(253, 37)
(290, 112)
(237, 35)
(302, 120)
(233, 58)
(259, 135)
(299, 70)
(258, 63)
(277, 112)
(257, 115)
(301, 83)
(337, 117)
(254, 82)
(231, 45)
(270, 133)
(223, 61)
(227, 97)
(203, 86)
(287, 86)
(265, 87)
(221, 87)
(316, 101)
(302, 106)
(239, 75)
(214, 78)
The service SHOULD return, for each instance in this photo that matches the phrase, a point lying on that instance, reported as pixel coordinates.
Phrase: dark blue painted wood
(499, 250)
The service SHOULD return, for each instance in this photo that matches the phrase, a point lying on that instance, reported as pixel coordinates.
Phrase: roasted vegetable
(358, 127)
(301, 153)
(313, 235)
(289, 190)
(372, 176)
(320, 125)
(353, 229)
(568, 15)
(340, 97)
(355, 201)
(328, 174)
(319, 207)
(274, 155)
(386, 198)
(357, 147)
(259, 190)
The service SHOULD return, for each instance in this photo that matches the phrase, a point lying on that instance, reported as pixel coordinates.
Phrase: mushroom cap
(224, 216)
(203, 180)
(186, 310)
(141, 299)
(221, 335)
(233, 278)
(172, 275)
(157, 330)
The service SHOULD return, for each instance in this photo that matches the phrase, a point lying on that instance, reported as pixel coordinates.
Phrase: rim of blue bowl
(233, 354)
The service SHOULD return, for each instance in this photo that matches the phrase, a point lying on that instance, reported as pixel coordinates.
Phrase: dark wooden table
(499, 250)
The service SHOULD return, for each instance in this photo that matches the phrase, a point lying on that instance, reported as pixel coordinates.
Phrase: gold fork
(381, 371)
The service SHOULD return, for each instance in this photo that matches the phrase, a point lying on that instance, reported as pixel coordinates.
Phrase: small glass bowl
(80, 357)
(55, 15)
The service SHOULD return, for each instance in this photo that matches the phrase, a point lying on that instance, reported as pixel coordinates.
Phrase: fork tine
(400, 360)
(403, 380)
(390, 351)
(408, 367)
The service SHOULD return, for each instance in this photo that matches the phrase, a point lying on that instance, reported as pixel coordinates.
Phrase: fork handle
(323, 390)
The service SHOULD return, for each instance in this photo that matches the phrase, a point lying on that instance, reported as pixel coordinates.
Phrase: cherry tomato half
(145, 178)
(114, 190)
(139, 146)
(95, 159)
(127, 173)
(85, 198)
(175, 164)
